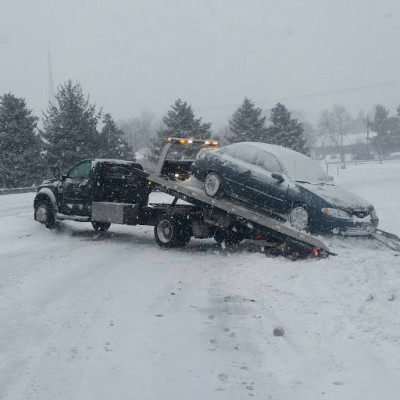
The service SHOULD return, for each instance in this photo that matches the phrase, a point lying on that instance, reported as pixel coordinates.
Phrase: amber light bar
(191, 141)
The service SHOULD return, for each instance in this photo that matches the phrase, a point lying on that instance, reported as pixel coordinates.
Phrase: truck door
(118, 182)
(76, 190)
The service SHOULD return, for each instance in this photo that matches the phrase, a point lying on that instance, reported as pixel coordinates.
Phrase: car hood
(337, 196)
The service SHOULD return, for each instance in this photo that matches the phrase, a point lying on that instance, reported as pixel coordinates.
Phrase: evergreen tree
(285, 131)
(70, 127)
(387, 129)
(112, 141)
(247, 124)
(380, 122)
(20, 145)
(179, 122)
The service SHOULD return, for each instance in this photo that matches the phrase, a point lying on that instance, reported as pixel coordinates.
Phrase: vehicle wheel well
(41, 198)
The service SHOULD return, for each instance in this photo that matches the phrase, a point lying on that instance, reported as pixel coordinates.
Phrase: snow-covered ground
(112, 316)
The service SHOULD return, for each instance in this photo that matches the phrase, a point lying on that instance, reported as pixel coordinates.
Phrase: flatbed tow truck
(97, 197)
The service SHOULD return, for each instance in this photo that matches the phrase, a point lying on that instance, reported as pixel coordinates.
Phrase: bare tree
(140, 130)
(335, 125)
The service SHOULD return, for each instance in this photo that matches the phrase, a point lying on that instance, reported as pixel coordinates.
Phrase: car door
(270, 192)
(236, 165)
(75, 188)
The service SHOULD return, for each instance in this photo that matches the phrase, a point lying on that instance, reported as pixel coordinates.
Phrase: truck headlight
(335, 212)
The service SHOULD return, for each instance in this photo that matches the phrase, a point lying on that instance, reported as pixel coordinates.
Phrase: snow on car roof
(297, 166)
(272, 148)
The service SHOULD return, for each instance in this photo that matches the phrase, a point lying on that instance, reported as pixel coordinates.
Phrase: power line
(315, 94)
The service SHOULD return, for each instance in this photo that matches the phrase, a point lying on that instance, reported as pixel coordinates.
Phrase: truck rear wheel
(229, 236)
(172, 231)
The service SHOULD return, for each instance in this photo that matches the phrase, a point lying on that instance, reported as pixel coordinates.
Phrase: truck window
(118, 171)
(81, 171)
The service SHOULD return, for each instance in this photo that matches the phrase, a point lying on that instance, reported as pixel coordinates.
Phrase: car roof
(278, 151)
(272, 148)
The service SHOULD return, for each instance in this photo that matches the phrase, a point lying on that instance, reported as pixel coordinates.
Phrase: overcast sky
(133, 55)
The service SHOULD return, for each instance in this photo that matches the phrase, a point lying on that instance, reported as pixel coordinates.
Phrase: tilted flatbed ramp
(192, 192)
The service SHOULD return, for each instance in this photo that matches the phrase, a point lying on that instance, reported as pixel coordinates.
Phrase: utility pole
(368, 153)
(50, 77)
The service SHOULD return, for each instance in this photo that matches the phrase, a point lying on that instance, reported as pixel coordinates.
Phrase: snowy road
(112, 316)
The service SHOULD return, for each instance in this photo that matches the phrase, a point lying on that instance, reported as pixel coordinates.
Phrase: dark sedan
(285, 183)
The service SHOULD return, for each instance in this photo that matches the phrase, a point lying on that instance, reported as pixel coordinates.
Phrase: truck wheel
(44, 213)
(213, 184)
(172, 231)
(100, 226)
(230, 237)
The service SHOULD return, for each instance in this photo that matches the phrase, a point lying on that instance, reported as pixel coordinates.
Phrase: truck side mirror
(278, 176)
(56, 172)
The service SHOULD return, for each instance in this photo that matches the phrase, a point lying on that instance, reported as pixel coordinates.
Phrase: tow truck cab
(97, 180)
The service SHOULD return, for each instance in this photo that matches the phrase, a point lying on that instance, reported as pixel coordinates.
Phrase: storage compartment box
(116, 213)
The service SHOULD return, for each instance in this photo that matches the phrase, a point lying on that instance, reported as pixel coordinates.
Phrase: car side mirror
(56, 172)
(279, 177)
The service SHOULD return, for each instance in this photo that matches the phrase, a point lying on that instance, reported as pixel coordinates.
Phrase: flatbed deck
(192, 192)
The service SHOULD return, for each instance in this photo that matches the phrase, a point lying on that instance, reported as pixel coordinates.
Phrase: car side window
(269, 162)
(231, 151)
(245, 153)
(248, 154)
(81, 171)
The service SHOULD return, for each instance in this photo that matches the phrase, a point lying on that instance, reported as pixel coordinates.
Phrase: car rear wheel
(213, 185)
(101, 226)
(299, 218)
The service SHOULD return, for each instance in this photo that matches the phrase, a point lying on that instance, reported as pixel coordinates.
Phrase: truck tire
(230, 237)
(101, 226)
(44, 213)
(172, 231)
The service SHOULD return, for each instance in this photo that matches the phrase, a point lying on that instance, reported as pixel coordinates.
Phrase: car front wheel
(299, 218)
(213, 185)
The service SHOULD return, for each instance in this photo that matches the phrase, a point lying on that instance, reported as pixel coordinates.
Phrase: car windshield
(301, 168)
